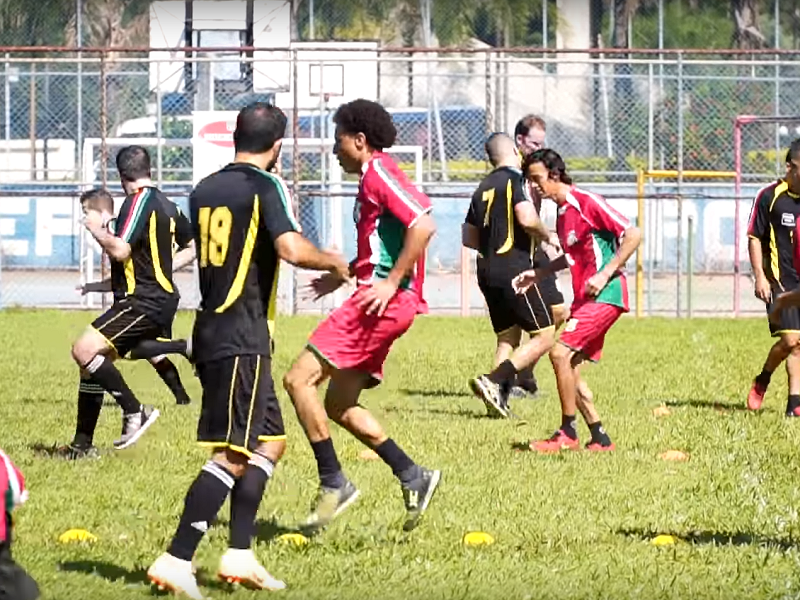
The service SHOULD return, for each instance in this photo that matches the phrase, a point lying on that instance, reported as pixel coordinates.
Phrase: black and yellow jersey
(237, 214)
(492, 212)
(145, 222)
(773, 216)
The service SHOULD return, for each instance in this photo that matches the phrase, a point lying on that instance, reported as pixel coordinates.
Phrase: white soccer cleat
(174, 575)
(242, 567)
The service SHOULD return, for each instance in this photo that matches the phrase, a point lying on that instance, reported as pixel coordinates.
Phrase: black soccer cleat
(417, 496)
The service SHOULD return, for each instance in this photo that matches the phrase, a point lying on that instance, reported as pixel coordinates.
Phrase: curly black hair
(551, 160)
(369, 118)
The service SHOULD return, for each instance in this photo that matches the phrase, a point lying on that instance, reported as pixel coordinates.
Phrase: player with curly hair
(393, 227)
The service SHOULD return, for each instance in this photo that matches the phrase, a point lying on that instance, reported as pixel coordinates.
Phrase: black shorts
(507, 309)
(240, 408)
(549, 287)
(790, 317)
(124, 325)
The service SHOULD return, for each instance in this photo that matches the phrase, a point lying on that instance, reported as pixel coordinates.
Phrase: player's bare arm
(762, 290)
(116, 248)
(630, 242)
(95, 287)
(184, 257)
(522, 282)
(298, 251)
(526, 215)
(470, 236)
(415, 242)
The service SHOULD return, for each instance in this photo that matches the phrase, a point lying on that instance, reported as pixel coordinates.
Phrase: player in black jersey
(139, 244)
(502, 225)
(184, 256)
(775, 213)
(529, 136)
(243, 226)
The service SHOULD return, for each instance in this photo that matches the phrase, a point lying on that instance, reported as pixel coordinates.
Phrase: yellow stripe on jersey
(162, 279)
(509, 213)
(130, 276)
(237, 287)
(775, 265)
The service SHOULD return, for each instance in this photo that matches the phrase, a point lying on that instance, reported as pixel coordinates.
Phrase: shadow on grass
(458, 412)
(715, 538)
(267, 530)
(436, 393)
(105, 570)
(718, 406)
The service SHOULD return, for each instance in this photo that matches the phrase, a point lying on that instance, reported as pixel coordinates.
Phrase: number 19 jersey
(237, 215)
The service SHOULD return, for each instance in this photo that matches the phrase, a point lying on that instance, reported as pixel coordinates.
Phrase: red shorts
(351, 339)
(585, 332)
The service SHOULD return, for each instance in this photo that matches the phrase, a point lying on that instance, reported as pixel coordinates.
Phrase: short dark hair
(258, 126)
(369, 118)
(528, 122)
(98, 199)
(551, 160)
(793, 151)
(133, 162)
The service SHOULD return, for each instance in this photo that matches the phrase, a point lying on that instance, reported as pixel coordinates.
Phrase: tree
(746, 32)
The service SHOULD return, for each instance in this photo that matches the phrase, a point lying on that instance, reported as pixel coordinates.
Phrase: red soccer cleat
(559, 441)
(598, 447)
(756, 396)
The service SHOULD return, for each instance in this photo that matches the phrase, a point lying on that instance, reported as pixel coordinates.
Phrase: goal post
(739, 123)
(643, 177)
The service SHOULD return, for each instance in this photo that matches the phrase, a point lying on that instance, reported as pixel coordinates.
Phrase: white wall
(15, 161)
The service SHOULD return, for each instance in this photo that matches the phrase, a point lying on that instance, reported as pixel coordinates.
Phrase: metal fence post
(679, 189)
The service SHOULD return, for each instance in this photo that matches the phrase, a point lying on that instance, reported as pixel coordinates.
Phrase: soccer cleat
(598, 447)
(557, 442)
(417, 495)
(756, 396)
(242, 567)
(492, 396)
(134, 426)
(174, 575)
(792, 411)
(74, 451)
(330, 503)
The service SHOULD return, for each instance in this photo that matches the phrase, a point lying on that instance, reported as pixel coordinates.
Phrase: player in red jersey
(15, 583)
(597, 241)
(393, 229)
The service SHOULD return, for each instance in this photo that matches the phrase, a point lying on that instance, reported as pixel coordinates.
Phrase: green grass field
(573, 526)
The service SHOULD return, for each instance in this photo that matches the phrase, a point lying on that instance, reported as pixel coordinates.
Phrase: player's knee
(336, 411)
(272, 450)
(790, 342)
(234, 462)
(292, 382)
(560, 355)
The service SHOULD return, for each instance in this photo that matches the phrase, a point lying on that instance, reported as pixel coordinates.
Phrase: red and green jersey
(590, 231)
(12, 489)
(388, 203)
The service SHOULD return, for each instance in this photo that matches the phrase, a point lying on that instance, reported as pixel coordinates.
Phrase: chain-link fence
(66, 114)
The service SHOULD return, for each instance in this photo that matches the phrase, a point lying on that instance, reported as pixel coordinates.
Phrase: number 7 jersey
(237, 215)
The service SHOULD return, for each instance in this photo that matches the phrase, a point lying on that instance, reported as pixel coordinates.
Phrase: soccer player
(140, 250)
(503, 225)
(243, 225)
(393, 229)
(597, 242)
(15, 583)
(529, 136)
(184, 256)
(771, 228)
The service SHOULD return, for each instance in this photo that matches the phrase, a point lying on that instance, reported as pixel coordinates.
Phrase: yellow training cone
(76, 535)
(663, 540)
(297, 539)
(478, 538)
